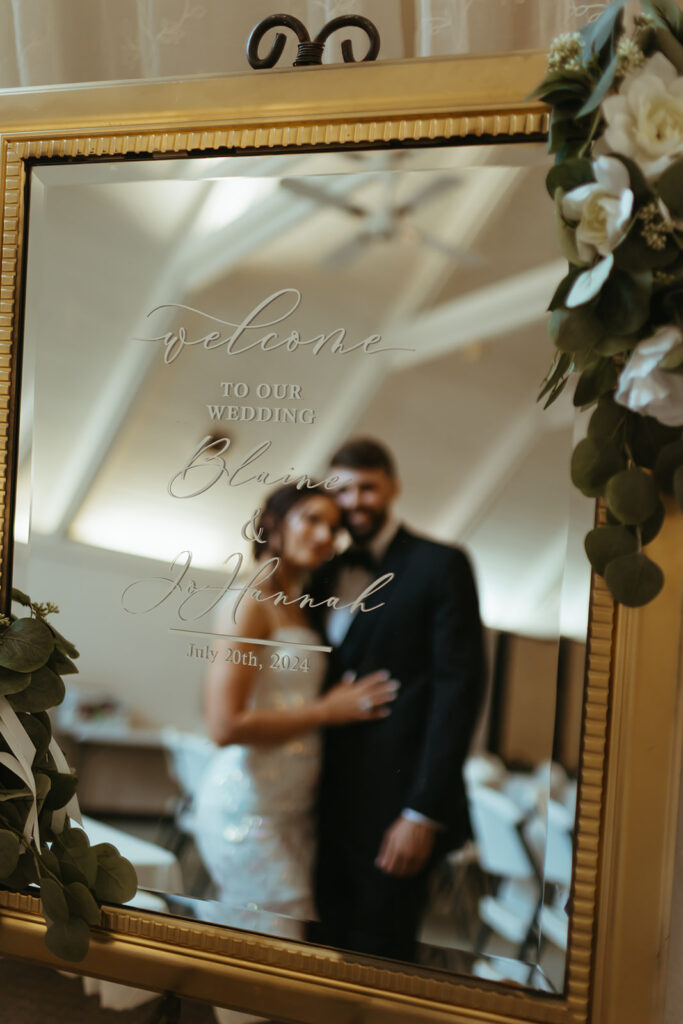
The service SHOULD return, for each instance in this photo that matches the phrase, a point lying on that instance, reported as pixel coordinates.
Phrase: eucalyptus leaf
(579, 330)
(569, 174)
(634, 254)
(670, 188)
(624, 304)
(601, 89)
(20, 597)
(53, 899)
(13, 682)
(670, 47)
(82, 903)
(647, 436)
(593, 463)
(9, 852)
(599, 33)
(668, 460)
(651, 527)
(563, 289)
(68, 939)
(76, 855)
(14, 794)
(62, 789)
(561, 365)
(46, 690)
(116, 880)
(678, 486)
(61, 664)
(49, 861)
(613, 345)
(631, 495)
(666, 11)
(43, 786)
(26, 645)
(634, 580)
(605, 543)
(37, 727)
(595, 381)
(62, 644)
(23, 875)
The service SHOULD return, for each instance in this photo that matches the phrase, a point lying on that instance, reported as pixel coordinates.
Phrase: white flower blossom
(645, 119)
(602, 208)
(646, 389)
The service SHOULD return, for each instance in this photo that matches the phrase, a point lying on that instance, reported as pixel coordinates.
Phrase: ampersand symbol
(256, 531)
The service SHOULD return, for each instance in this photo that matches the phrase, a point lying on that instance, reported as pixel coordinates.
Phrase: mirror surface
(198, 331)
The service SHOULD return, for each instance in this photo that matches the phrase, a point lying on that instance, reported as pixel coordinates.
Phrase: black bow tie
(357, 557)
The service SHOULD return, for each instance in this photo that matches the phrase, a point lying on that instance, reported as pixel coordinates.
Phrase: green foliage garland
(616, 320)
(73, 875)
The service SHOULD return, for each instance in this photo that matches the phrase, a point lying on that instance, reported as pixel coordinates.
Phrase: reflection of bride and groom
(339, 783)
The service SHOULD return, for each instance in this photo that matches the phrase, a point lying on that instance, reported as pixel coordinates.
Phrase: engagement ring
(365, 704)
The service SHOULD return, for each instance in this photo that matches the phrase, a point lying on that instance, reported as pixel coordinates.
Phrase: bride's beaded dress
(254, 820)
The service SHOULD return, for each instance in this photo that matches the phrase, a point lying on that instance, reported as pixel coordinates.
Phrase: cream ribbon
(20, 760)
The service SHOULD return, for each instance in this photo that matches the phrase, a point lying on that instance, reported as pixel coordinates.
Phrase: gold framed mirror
(344, 133)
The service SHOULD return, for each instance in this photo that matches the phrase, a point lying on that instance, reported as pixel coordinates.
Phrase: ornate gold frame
(633, 726)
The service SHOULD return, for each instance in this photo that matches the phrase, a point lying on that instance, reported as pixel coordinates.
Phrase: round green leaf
(62, 789)
(678, 486)
(26, 645)
(569, 174)
(9, 852)
(624, 304)
(647, 436)
(631, 496)
(634, 580)
(651, 527)
(62, 644)
(605, 543)
(82, 903)
(668, 460)
(116, 880)
(607, 418)
(68, 939)
(13, 682)
(593, 463)
(53, 899)
(576, 331)
(46, 690)
(39, 731)
(596, 380)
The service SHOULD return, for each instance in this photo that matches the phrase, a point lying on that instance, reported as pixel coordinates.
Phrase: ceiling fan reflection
(385, 221)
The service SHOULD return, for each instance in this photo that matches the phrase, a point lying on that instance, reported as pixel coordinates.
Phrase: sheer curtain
(46, 42)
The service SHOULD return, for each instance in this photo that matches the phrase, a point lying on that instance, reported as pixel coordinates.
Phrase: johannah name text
(252, 589)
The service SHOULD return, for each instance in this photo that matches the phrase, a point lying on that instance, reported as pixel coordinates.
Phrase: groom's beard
(364, 523)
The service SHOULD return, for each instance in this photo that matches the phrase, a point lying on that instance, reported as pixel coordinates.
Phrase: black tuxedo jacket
(428, 635)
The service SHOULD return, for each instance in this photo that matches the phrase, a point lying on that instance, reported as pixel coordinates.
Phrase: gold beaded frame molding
(631, 751)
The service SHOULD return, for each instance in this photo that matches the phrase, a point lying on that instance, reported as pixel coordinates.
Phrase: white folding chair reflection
(502, 850)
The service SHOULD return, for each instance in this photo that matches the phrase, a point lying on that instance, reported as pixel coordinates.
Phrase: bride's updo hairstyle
(271, 520)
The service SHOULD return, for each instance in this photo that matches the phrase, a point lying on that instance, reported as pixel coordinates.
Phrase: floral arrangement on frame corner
(616, 130)
(39, 845)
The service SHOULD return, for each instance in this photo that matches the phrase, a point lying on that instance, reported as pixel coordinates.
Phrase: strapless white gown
(254, 820)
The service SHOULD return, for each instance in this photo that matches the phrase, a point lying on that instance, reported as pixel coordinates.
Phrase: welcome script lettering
(207, 466)
(239, 340)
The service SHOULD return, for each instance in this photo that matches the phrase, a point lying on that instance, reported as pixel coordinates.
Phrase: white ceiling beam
(489, 312)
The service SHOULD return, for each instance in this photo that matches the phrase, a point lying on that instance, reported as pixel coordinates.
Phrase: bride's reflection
(265, 709)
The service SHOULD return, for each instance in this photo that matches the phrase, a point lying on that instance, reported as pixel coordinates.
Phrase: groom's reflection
(392, 798)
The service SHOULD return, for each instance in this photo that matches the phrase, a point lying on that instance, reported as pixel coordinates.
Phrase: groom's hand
(406, 847)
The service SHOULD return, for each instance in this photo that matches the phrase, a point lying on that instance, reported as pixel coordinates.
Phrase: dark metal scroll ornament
(310, 51)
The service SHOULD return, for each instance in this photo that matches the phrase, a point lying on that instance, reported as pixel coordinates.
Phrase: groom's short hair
(364, 453)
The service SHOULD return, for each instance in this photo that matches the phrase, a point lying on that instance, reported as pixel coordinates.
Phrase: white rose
(645, 119)
(603, 208)
(648, 390)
